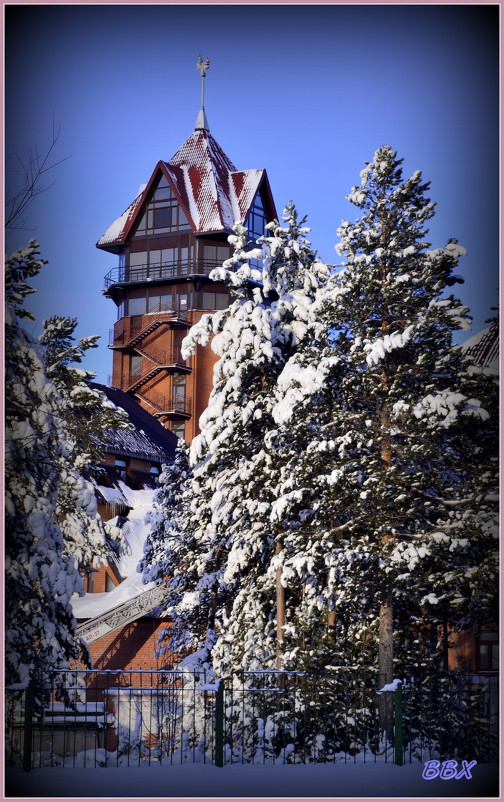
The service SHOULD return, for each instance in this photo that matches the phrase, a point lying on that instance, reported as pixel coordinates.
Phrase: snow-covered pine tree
(54, 424)
(170, 551)
(40, 576)
(404, 464)
(87, 415)
(236, 595)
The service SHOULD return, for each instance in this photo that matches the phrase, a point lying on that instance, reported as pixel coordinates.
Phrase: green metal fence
(121, 718)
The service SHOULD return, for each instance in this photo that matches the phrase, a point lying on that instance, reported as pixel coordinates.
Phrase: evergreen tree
(87, 415)
(403, 457)
(40, 576)
(236, 594)
(53, 420)
(170, 551)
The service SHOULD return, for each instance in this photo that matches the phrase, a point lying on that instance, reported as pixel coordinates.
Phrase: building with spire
(167, 242)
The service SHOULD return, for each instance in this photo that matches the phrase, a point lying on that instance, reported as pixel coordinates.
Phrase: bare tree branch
(34, 168)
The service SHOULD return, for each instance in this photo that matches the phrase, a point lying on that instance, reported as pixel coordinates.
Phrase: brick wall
(131, 648)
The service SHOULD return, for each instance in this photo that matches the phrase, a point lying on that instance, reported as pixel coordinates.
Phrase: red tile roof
(212, 192)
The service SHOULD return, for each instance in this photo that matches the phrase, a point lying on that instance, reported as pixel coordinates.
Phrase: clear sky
(307, 91)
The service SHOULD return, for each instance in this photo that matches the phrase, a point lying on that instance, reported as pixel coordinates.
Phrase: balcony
(175, 408)
(142, 274)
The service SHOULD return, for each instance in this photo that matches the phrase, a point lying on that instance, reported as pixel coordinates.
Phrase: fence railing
(131, 718)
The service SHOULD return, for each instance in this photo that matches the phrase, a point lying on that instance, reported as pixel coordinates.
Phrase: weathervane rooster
(203, 66)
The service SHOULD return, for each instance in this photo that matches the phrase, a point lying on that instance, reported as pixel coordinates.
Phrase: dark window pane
(162, 217)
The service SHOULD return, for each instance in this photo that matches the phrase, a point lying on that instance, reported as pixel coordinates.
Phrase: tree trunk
(386, 664)
(280, 610)
(386, 614)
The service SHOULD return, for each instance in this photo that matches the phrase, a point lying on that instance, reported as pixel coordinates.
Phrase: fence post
(398, 729)
(28, 727)
(219, 724)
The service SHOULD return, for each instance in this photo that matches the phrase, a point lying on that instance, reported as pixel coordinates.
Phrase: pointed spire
(202, 122)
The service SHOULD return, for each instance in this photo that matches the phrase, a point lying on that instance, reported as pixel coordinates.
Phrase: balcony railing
(159, 272)
(174, 407)
(167, 357)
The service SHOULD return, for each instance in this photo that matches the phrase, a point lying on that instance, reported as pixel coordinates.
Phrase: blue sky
(307, 91)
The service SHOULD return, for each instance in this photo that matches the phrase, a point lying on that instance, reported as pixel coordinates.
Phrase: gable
(204, 193)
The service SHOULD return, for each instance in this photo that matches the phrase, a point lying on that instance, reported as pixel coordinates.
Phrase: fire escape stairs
(167, 319)
(145, 377)
(132, 343)
(171, 361)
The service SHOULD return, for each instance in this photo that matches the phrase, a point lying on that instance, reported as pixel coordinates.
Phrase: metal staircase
(121, 614)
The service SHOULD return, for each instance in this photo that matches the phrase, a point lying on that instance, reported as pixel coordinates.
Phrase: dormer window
(163, 213)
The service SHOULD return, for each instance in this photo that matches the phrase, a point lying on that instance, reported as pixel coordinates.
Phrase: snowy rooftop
(149, 439)
(135, 532)
(212, 192)
(484, 347)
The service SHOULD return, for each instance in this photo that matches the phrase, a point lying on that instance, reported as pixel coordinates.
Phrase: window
(178, 428)
(256, 220)
(488, 651)
(159, 303)
(137, 259)
(137, 306)
(109, 585)
(215, 300)
(135, 365)
(216, 254)
(136, 265)
(90, 582)
(182, 299)
(121, 466)
(163, 212)
(179, 388)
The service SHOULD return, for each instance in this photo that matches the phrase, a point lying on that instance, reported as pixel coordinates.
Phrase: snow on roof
(111, 495)
(135, 531)
(484, 347)
(149, 439)
(115, 232)
(134, 444)
(209, 187)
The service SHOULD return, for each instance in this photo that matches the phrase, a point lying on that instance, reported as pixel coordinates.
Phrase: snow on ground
(189, 781)
(93, 604)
